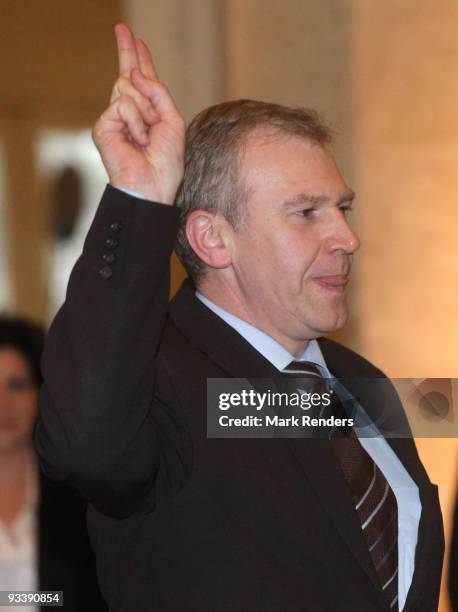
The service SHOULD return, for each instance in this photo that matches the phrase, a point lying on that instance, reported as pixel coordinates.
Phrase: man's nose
(344, 237)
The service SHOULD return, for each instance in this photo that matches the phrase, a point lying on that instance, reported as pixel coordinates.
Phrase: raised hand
(141, 135)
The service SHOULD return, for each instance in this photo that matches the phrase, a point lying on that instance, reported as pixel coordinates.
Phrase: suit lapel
(211, 335)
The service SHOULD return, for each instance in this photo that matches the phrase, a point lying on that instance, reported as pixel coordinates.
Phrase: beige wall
(406, 148)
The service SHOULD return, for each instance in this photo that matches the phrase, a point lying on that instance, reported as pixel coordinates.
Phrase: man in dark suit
(181, 521)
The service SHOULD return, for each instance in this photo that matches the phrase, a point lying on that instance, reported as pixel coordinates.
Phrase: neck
(226, 298)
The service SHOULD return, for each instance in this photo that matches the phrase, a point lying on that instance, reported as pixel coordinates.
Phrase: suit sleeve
(95, 431)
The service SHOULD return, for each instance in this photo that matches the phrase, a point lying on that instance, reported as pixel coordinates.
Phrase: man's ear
(207, 234)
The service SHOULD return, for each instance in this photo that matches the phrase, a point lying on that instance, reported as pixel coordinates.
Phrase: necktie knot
(305, 377)
(306, 368)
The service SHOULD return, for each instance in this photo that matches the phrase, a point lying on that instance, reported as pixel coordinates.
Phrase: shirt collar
(269, 348)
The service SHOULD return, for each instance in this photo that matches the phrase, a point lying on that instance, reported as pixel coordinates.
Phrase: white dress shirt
(404, 488)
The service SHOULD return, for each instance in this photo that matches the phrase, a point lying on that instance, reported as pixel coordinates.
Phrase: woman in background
(43, 539)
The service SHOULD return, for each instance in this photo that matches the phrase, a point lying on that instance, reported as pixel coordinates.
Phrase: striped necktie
(373, 497)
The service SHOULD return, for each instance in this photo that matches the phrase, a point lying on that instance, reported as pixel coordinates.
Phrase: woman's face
(18, 400)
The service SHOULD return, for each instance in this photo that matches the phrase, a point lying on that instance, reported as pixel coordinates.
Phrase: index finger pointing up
(127, 52)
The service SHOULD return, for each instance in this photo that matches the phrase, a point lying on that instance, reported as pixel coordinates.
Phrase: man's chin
(333, 323)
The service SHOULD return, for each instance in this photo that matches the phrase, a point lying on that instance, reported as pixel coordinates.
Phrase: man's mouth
(336, 282)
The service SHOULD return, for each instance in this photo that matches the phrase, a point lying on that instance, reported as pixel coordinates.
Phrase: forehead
(275, 161)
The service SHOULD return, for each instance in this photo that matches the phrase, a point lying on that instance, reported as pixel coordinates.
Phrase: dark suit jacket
(65, 559)
(181, 522)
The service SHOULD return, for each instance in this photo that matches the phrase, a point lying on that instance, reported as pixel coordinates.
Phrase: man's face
(292, 255)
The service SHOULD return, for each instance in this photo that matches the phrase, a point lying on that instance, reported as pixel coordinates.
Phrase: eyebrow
(308, 198)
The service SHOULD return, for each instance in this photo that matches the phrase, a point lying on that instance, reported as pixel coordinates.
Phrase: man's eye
(305, 212)
(346, 208)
